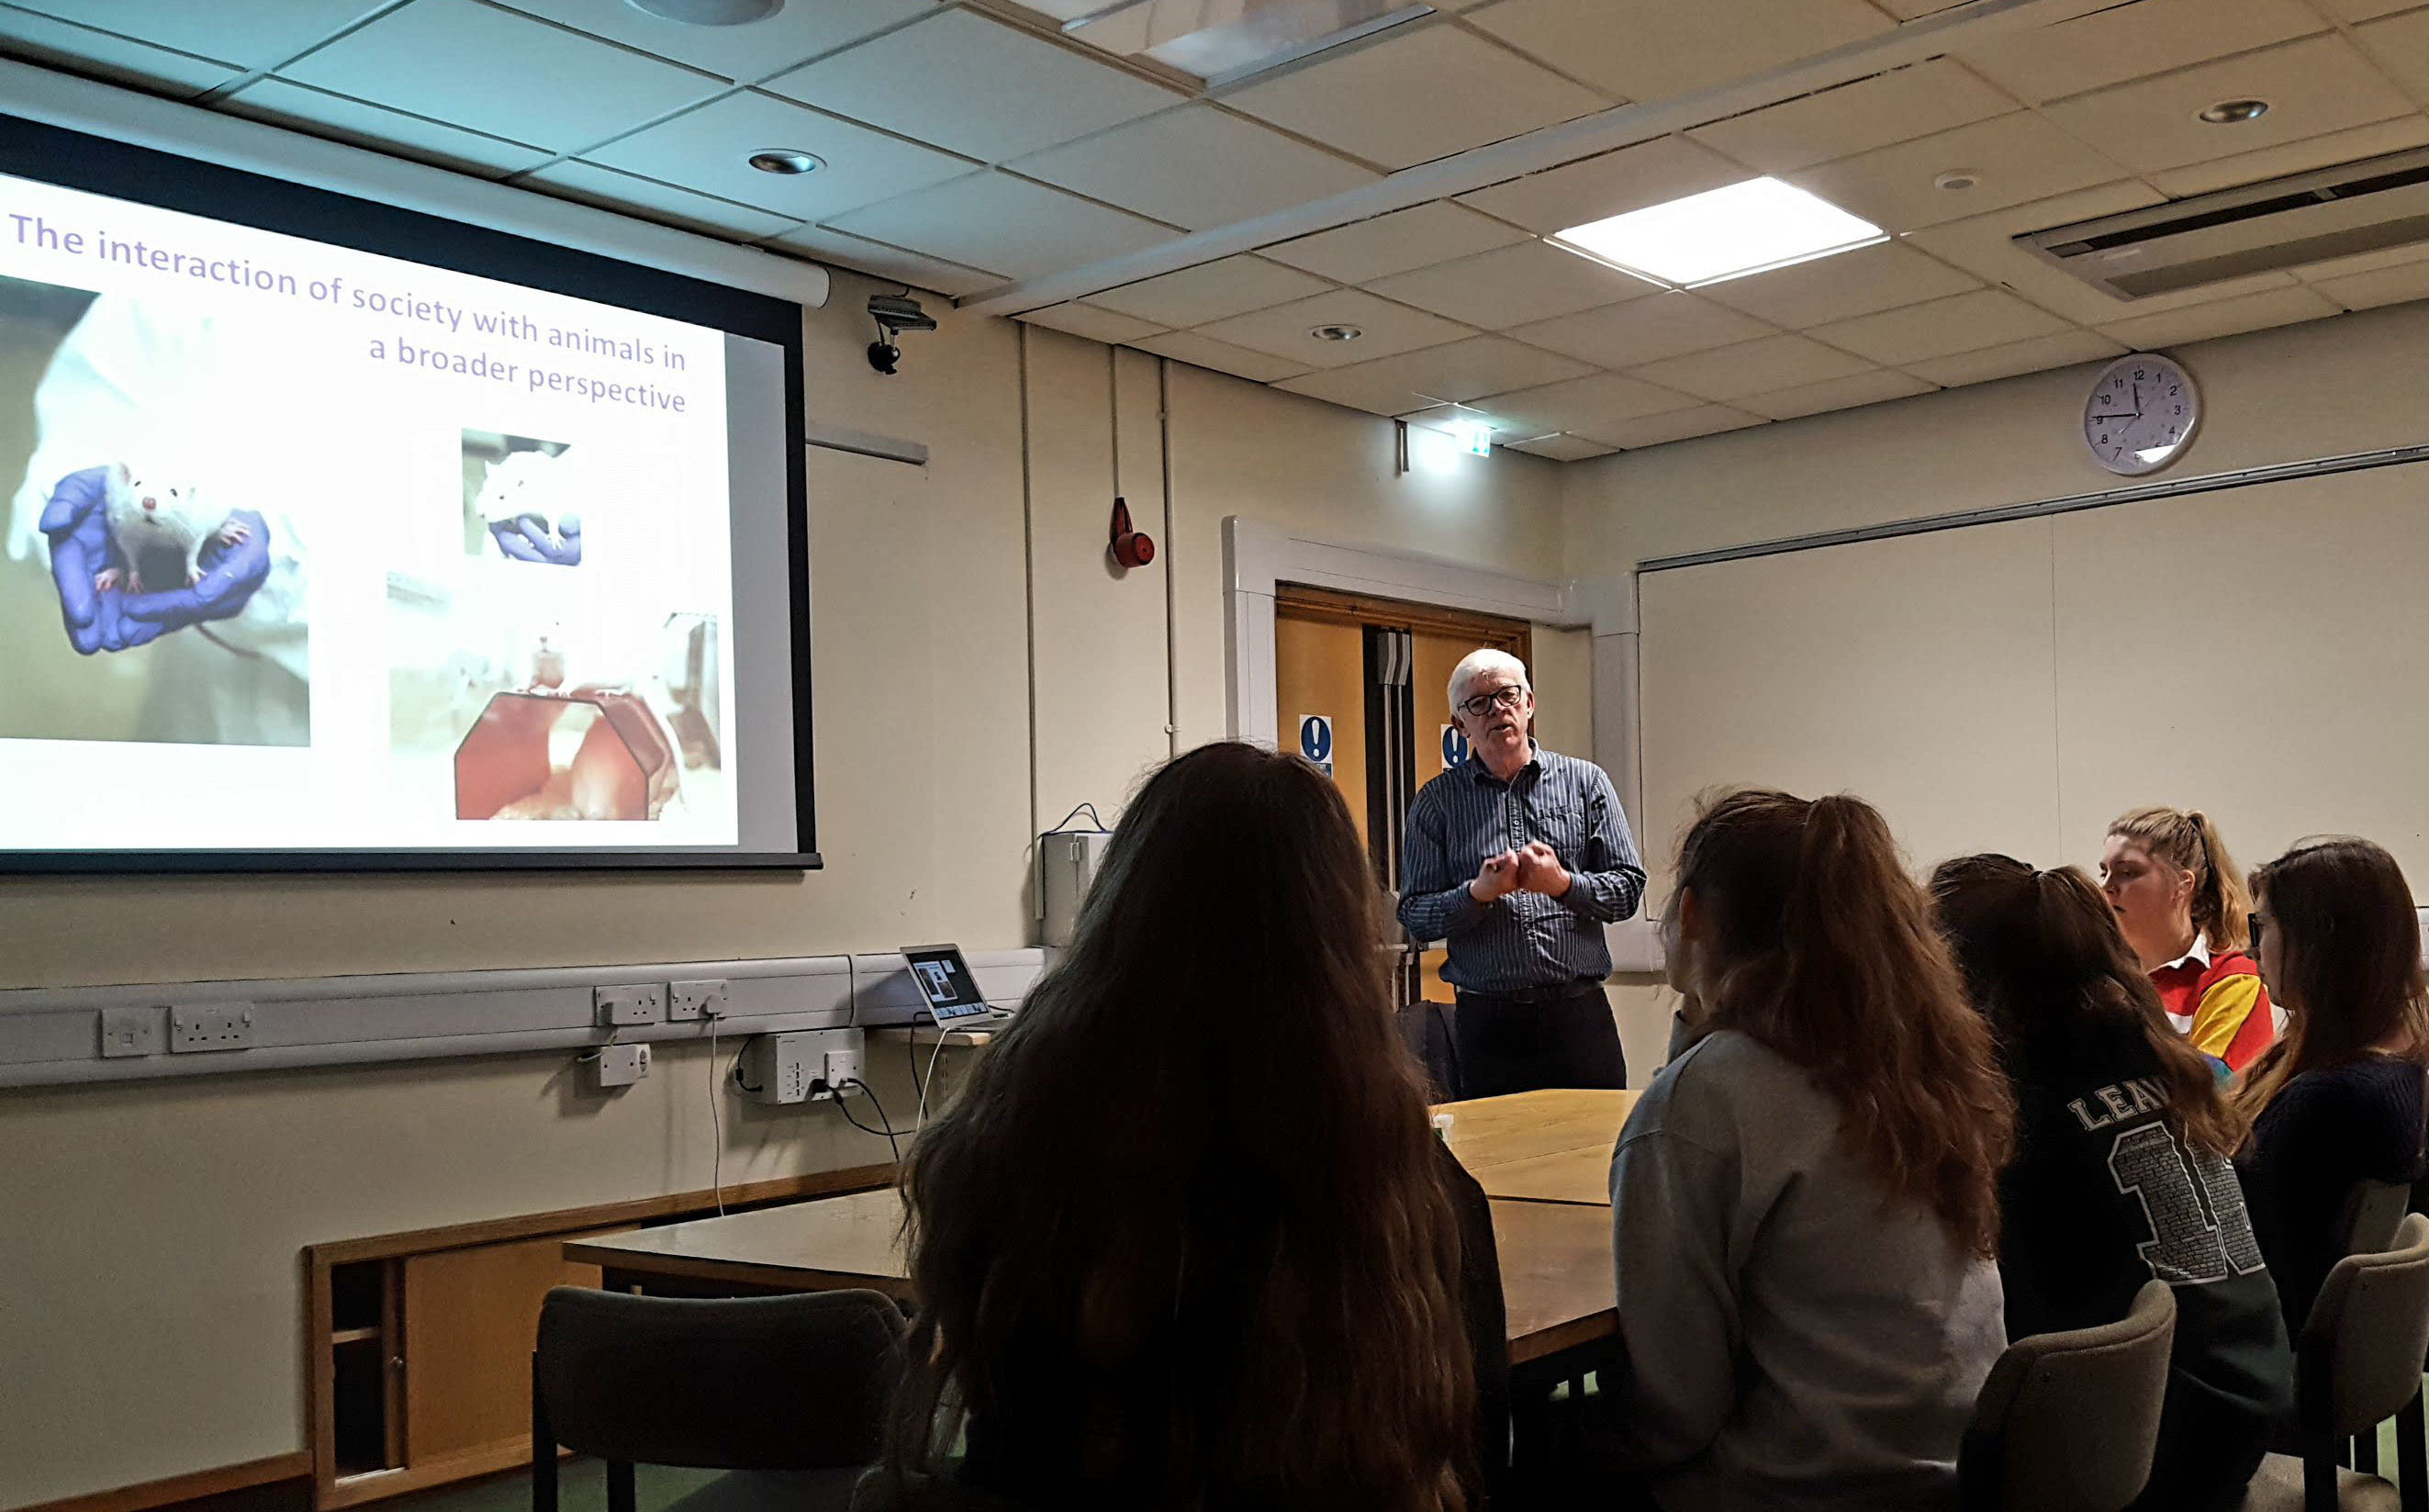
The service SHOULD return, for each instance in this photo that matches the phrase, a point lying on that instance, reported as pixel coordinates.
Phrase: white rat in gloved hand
(526, 486)
(157, 511)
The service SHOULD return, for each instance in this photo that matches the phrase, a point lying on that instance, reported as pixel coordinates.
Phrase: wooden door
(469, 1317)
(1320, 671)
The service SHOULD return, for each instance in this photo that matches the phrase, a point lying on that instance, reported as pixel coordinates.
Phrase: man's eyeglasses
(1483, 703)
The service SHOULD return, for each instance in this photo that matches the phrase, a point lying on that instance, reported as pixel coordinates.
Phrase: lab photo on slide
(523, 498)
(510, 705)
(153, 582)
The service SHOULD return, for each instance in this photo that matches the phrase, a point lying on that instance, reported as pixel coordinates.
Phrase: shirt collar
(1484, 774)
(2199, 956)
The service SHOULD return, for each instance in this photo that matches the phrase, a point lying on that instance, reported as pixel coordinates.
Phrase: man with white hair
(1515, 860)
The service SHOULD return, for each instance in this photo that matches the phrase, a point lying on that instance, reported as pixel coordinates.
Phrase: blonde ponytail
(2222, 904)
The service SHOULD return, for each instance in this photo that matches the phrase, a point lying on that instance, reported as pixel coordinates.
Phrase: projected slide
(309, 548)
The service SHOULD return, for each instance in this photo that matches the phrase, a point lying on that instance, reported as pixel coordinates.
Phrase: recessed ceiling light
(1336, 333)
(1724, 233)
(2235, 112)
(708, 12)
(786, 161)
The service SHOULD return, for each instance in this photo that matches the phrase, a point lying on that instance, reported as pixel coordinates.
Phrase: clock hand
(2120, 415)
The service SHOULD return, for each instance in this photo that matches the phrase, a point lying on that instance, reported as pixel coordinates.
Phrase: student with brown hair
(2339, 1099)
(1805, 1204)
(2121, 1170)
(2181, 904)
(1185, 1240)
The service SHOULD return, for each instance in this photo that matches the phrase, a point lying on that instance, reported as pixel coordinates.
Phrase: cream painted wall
(2326, 388)
(151, 1324)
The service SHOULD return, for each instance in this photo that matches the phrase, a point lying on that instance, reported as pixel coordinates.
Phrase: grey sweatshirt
(1790, 1341)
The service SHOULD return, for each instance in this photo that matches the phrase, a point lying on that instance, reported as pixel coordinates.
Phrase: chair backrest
(2371, 1212)
(2366, 1337)
(737, 1382)
(2067, 1422)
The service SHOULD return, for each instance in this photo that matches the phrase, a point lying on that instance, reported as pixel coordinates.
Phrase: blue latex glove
(526, 538)
(78, 528)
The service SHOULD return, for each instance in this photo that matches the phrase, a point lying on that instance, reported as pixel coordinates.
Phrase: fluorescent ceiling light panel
(1724, 233)
(1221, 40)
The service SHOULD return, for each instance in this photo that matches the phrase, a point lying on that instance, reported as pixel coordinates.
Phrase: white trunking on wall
(57, 1035)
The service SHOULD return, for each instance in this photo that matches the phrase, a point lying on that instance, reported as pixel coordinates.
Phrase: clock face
(2141, 414)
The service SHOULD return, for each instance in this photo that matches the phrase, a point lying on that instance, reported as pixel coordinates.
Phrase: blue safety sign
(1316, 740)
(1454, 746)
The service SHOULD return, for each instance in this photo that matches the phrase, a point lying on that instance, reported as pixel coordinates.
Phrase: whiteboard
(2260, 653)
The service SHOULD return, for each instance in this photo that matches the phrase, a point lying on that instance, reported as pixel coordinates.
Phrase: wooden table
(1545, 1147)
(1556, 1276)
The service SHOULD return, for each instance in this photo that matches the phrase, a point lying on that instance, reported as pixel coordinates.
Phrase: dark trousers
(1507, 1045)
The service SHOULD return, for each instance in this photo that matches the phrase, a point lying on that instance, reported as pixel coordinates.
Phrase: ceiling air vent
(2286, 222)
(1219, 42)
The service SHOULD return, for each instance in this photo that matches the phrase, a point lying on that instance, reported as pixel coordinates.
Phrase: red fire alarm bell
(1131, 548)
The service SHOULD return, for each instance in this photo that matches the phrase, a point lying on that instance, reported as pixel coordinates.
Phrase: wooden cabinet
(419, 1363)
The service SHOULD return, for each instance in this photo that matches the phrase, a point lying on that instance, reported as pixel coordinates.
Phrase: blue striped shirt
(1522, 940)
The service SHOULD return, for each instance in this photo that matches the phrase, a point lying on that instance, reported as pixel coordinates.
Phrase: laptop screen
(945, 981)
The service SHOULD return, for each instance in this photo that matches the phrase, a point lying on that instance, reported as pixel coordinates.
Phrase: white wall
(2327, 387)
(151, 1324)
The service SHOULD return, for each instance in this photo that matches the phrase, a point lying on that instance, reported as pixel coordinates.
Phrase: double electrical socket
(634, 1002)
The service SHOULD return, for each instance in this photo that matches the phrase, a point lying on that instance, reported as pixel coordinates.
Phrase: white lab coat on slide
(178, 395)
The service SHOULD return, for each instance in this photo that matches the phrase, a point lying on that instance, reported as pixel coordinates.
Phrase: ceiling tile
(2399, 135)
(1416, 96)
(323, 114)
(1451, 418)
(1531, 281)
(1615, 183)
(1643, 330)
(1094, 323)
(1835, 393)
(2225, 317)
(1397, 242)
(1455, 372)
(250, 36)
(1210, 292)
(107, 55)
(494, 71)
(792, 36)
(2021, 356)
(2365, 10)
(1961, 322)
(1195, 167)
(2386, 286)
(1677, 425)
(996, 221)
(1874, 112)
(2315, 86)
(2016, 158)
(1564, 448)
(1390, 328)
(605, 187)
(877, 259)
(1765, 366)
(1656, 49)
(1838, 288)
(2131, 42)
(1602, 398)
(708, 149)
(1206, 352)
(2400, 45)
(1005, 91)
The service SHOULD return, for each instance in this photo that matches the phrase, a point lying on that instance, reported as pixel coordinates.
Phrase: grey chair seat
(2278, 1488)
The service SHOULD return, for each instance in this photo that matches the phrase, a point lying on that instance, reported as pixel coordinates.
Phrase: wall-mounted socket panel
(130, 1032)
(793, 1068)
(695, 1000)
(635, 1003)
(622, 1065)
(210, 1026)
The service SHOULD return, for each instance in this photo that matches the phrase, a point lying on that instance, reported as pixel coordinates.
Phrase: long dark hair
(1826, 952)
(2040, 948)
(2349, 969)
(2186, 839)
(1184, 1241)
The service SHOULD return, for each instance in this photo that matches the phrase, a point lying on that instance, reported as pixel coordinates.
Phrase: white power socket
(695, 1000)
(622, 1065)
(210, 1026)
(637, 1002)
(798, 1067)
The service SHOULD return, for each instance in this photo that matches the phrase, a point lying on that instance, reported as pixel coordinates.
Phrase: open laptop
(950, 992)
